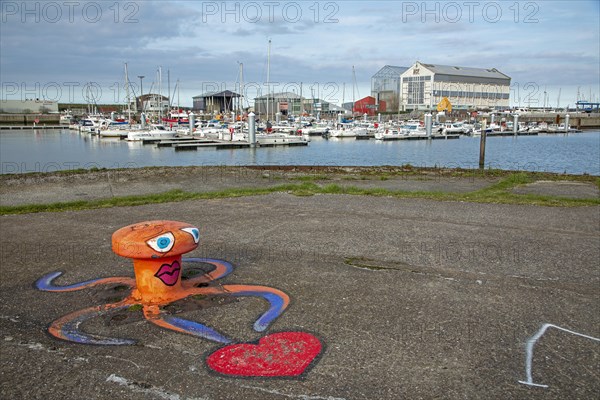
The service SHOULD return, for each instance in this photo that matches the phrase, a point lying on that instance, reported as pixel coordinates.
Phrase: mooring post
(156, 262)
(428, 121)
(482, 145)
(252, 129)
(192, 122)
(567, 117)
(516, 124)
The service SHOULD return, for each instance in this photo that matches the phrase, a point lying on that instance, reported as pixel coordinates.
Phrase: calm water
(46, 151)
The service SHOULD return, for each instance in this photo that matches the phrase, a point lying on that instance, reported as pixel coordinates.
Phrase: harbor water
(53, 150)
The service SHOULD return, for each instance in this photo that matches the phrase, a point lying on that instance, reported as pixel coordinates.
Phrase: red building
(369, 106)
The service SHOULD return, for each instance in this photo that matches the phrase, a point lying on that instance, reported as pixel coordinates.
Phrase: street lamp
(141, 92)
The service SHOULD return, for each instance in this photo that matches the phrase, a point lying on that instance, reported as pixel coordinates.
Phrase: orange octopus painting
(156, 248)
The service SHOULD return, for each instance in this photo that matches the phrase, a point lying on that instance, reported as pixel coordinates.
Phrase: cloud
(321, 45)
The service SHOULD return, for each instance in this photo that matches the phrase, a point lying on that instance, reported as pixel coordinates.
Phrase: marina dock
(193, 143)
(432, 137)
(23, 127)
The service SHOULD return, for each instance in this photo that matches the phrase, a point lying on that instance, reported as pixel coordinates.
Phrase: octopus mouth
(169, 273)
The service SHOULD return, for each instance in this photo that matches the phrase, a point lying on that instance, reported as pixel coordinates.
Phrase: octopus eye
(194, 232)
(162, 243)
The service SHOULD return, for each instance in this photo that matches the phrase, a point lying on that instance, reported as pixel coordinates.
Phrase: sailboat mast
(169, 86)
(159, 94)
(241, 102)
(353, 79)
(241, 99)
(354, 86)
(268, 76)
(301, 105)
(127, 94)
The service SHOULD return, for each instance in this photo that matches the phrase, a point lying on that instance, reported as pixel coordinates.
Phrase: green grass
(165, 197)
(499, 192)
(310, 178)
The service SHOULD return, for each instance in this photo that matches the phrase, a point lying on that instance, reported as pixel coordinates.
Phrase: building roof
(366, 98)
(279, 96)
(152, 96)
(464, 71)
(390, 71)
(224, 93)
(334, 107)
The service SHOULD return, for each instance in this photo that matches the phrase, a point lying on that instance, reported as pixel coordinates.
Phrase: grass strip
(499, 192)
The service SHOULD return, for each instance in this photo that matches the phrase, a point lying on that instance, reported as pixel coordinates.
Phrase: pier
(432, 137)
(21, 127)
(511, 133)
(577, 120)
(194, 143)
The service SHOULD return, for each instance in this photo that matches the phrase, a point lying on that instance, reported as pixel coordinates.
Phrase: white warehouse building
(422, 86)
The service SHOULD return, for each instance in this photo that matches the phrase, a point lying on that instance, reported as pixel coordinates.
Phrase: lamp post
(141, 91)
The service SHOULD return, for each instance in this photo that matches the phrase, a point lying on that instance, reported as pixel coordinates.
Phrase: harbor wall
(29, 119)
(576, 120)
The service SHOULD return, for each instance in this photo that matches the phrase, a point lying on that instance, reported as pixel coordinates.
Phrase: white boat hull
(278, 138)
(352, 132)
(113, 133)
(145, 135)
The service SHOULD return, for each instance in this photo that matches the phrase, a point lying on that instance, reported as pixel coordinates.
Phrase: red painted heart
(279, 354)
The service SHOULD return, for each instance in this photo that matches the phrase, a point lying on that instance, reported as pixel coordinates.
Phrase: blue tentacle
(278, 302)
(192, 328)
(45, 283)
(68, 327)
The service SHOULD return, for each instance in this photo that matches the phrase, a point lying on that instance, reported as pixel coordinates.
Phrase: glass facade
(422, 86)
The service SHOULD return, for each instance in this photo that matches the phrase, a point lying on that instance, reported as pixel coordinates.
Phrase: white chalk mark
(136, 387)
(123, 359)
(292, 396)
(10, 318)
(529, 350)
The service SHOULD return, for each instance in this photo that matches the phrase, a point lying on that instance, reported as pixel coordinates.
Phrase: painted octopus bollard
(156, 249)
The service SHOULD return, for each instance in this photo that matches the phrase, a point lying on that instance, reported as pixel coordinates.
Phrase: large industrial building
(273, 103)
(422, 86)
(369, 105)
(385, 86)
(151, 103)
(28, 106)
(215, 102)
(290, 103)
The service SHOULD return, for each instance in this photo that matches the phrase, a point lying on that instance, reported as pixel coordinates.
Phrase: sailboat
(273, 138)
(111, 127)
(349, 129)
(176, 116)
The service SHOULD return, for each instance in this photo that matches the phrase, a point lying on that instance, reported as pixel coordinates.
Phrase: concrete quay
(411, 298)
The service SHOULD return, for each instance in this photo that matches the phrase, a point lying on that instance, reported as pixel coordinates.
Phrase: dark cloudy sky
(59, 49)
